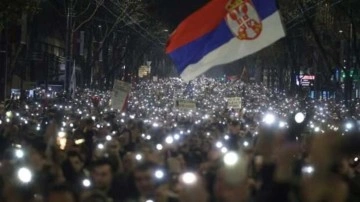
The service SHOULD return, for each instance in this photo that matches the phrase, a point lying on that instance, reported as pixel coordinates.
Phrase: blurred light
(159, 174)
(299, 117)
(317, 129)
(148, 137)
(169, 140)
(269, 119)
(108, 138)
(246, 144)
(93, 118)
(8, 114)
(62, 142)
(356, 159)
(79, 141)
(155, 125)
(176, 137)
(159, 147)
(188, 178)
(308, 170)
(224, 150)
(226, 137)
(349, 126)
(24, 175)
(61, 134)
(282, 124)
(19, 153)
(219, 144)
(100, 146)
(138, 157)
(86, 183)
(231, 158)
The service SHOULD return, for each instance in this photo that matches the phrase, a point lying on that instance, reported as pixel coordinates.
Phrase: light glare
(231, 159)
(24, 175)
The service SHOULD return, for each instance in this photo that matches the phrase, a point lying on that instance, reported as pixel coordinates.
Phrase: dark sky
(172, 12)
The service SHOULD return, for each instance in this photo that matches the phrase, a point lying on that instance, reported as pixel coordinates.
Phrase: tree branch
(83, 12)
(89, 18)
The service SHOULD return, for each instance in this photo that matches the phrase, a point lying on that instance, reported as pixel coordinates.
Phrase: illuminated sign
(305, 80)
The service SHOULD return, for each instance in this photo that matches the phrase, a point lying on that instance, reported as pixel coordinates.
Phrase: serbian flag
(221, 32)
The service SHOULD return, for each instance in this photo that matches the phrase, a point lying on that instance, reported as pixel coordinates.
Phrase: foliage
(12, 10)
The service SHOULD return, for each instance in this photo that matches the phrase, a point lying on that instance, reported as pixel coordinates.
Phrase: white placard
(234, 102)
(185, 104)
(119, 94)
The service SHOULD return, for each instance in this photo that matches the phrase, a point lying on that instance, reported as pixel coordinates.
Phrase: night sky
(172, 12)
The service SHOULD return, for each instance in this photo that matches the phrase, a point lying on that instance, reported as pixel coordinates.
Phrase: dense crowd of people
(272, 148)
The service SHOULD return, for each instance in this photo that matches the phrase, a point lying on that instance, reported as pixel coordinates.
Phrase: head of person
(144, 180)
(102, 174)
(129, 162)
(234, 128)
(89, 124)
(230, 191)
(113, 147)
(61, 193)
(76, 161)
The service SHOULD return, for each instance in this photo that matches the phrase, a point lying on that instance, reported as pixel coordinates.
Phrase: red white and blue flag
(221, 32)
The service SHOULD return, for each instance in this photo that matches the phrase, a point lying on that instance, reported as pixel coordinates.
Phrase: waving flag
(221, 32)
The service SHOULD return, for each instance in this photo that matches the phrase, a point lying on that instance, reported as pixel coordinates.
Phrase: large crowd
(273, 148)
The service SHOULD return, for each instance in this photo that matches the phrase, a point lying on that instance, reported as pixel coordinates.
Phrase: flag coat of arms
(221, 32)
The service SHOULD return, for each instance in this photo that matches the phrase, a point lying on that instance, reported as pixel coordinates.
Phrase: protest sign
(185, 104)
(120, 94)
(234, 102)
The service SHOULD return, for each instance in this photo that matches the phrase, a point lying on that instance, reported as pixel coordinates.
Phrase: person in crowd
(234, 136)
(145, 184)
(105, 180)
(71, 150)
(73, 169)
(61, 193)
